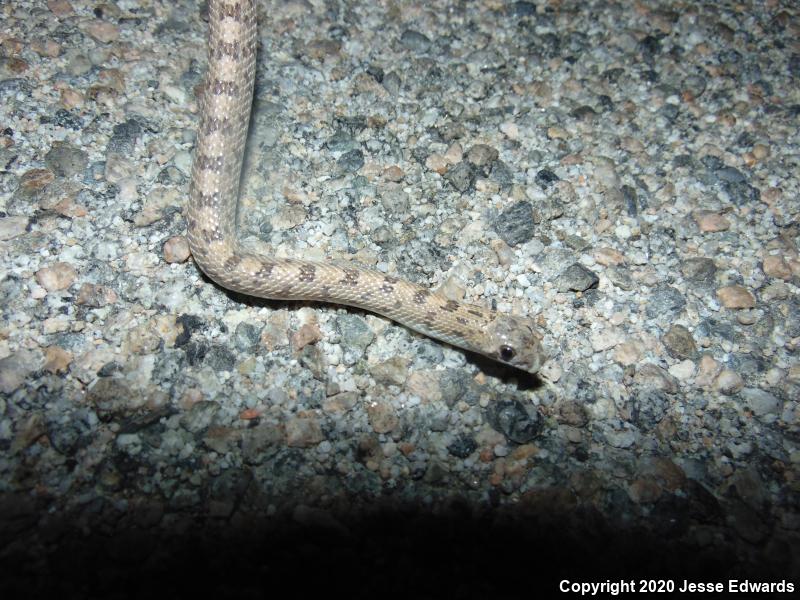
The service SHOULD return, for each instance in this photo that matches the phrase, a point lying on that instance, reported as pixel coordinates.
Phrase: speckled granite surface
(627, 173)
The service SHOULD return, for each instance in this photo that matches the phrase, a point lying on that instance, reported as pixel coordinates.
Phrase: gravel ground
(625, 173)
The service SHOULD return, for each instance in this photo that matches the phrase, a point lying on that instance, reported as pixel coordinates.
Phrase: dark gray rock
(515, 224)
(392, 83)
(522, 9)
(246, 337)
(461, 176)
(742, 193)
(341, 141)
(679, 342)
(510, 418)
(716, 328)
(313, 359)
(546, 178)
(355, 336)
(351, 161)
(462, 446)
(665, 302)
(415, 41)
(648, 407)
(482, 155)
(457, 385)
(699, 270)
(220, 358)
(124, 137)
(261, 443)
(501, 174)
(730, 175)
(71, 435)
(577, 278)
(66, 160)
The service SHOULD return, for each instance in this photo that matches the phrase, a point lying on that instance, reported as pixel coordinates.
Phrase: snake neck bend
(211, 217)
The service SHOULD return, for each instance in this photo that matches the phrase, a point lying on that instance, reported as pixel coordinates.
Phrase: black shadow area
(377, 551)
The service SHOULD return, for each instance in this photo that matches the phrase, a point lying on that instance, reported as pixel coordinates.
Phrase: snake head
(515, 341)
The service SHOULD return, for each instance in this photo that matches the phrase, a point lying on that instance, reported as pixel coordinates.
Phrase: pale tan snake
(211, 216)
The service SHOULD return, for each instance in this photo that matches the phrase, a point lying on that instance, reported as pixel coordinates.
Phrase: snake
(224, 106)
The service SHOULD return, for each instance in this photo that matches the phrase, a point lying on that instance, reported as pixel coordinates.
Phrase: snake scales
(211, 216)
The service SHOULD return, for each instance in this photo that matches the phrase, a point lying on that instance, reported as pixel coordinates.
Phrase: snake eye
(506, 353)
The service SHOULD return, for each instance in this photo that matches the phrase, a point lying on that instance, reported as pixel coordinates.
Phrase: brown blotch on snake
(232, 262)
(224, 88)
(265, 271)
(234, 10)
(210, 126)
(387, 287)
(307, 273)
(351, 277)
(225, 106)
(451, 306)
(210, 163)
(421, 296)
(229, 50)
(207, 200)
(210, 236)
(430, 318)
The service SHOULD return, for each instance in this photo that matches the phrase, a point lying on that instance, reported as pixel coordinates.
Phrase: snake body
(225, 105)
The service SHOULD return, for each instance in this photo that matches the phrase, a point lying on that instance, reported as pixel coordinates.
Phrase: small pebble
(103, 31)
(96, 296)
(382, 416)
(56, 277)
(60, 8)
(481, 155)
(761, 402)
(551, 371)
(707, 371)
(57, 359)
(454, 154)
(425, 385)
(510, 130)
(16, 367)
(728, 382)
(393, 371)
(303, 432)
(436, 162)
(736, 296)
(176, 249)
(683, 370)
(627, 353)
(776, 266)
(608, 256)
(393, 173)
(11, 227)
(710, 222)
(309, 333)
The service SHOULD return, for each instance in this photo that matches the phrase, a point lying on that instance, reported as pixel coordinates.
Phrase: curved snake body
(225, 106)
